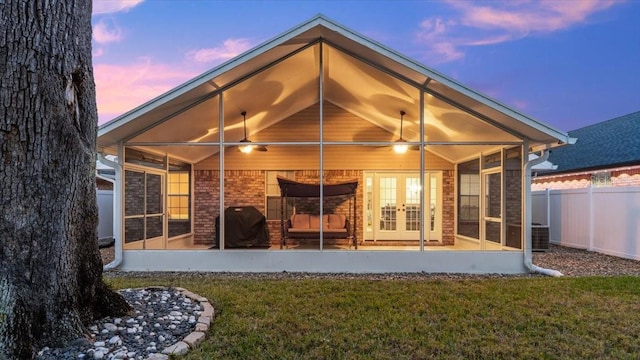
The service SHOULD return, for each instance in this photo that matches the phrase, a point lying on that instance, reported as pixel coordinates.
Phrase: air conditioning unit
(539, 236)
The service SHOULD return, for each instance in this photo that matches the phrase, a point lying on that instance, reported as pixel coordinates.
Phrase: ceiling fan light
(246, 149)
(400, 148)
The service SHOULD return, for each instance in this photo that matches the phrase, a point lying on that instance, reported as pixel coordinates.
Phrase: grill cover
(244, 226)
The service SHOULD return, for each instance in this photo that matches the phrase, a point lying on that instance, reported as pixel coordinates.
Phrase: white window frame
(272, 189)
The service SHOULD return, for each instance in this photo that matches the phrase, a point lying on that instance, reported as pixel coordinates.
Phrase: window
(601, 179)
(178, 195)
(272, 195)
(469, 199)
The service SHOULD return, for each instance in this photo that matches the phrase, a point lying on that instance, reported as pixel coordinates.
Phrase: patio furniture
(307, 226)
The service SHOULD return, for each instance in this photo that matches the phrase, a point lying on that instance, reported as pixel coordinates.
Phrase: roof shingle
(611, 143)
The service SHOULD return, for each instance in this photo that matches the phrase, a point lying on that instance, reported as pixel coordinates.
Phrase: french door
(393, 206)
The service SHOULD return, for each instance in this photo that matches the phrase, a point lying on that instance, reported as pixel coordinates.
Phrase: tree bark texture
(50, 267)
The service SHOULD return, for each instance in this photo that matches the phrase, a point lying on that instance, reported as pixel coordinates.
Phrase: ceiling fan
(247, 147)
(401, 146)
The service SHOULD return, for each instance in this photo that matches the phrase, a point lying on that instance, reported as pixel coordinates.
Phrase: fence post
(547, 196)
(591, 219)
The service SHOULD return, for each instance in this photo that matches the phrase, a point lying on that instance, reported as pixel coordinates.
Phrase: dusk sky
(566, 63)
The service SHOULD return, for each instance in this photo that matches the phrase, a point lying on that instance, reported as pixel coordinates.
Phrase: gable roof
(611, 143)
(280, 77)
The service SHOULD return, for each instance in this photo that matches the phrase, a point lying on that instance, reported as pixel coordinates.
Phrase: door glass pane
(133, 229)
(412, 202)
(134, 193)
(493, 195)
(154, 194)
(154, 226)
(388, 187)
(492, 231)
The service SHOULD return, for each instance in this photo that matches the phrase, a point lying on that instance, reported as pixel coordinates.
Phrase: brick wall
(241, 188)
(246, 188)
(103, 184)
(206, 205)
(619, 178)
(513, 198)
(627, 177)
(448, 207)
(561, 182)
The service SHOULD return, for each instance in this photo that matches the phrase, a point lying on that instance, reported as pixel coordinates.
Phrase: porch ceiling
(281, 77)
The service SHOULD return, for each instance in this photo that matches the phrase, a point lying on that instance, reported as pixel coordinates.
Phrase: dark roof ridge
(609, 143)
(602, 123)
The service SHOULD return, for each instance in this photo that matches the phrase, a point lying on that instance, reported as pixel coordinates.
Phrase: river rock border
(194, 339)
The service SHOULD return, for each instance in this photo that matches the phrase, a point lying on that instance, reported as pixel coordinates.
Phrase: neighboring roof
(280, 78)
(609, 144)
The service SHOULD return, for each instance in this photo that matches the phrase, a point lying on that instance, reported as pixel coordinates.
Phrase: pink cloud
(106, 32)
(120, 88)
(432, 32)
(523, 17)
(112, 6)
(229, 49)
(486, 23)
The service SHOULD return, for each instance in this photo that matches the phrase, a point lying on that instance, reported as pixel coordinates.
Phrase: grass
(498, 318)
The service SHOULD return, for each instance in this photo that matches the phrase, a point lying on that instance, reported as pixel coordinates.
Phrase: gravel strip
(577, 262)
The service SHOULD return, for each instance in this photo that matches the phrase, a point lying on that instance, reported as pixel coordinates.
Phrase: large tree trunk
(50, 267)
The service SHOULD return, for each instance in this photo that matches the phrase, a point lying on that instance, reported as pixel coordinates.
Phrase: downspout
(528, 257)
(117, 217)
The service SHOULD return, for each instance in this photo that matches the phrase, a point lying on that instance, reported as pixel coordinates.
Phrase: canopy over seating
(290, 188)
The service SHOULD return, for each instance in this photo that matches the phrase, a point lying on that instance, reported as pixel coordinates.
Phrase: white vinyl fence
(602, 219)
(105, 214)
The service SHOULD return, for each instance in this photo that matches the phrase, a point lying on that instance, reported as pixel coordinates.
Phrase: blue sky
(567, 63)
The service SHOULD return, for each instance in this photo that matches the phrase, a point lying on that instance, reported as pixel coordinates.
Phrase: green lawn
(496, 318)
